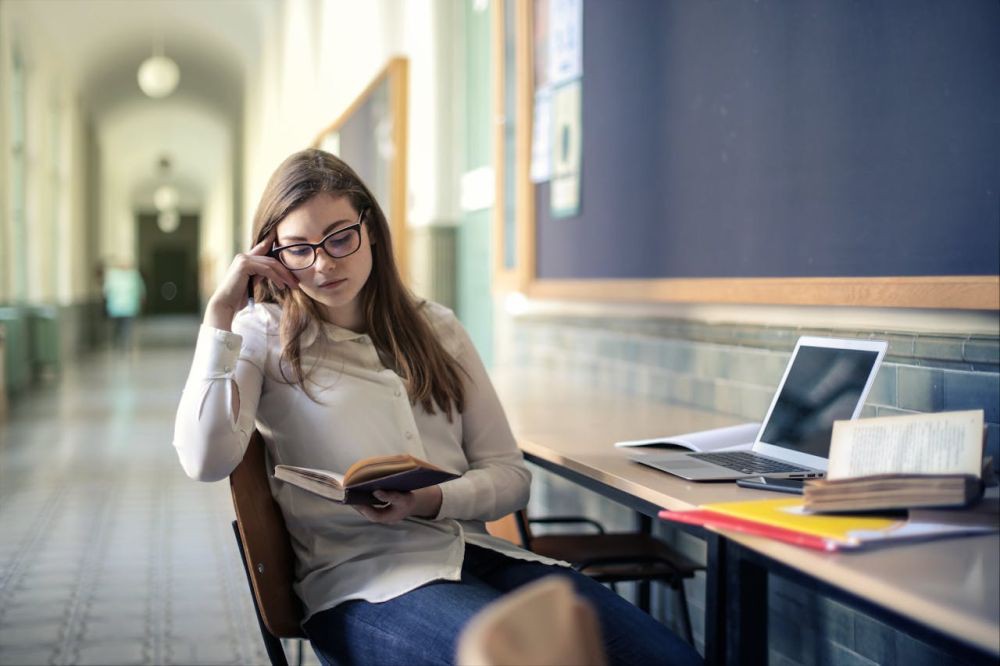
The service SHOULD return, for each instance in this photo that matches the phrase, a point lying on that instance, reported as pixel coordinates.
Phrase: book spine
(355, 496)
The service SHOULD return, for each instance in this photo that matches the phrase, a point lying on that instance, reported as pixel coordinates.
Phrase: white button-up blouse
(362, 409)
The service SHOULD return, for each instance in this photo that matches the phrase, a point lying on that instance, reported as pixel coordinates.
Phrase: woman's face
(334, 284)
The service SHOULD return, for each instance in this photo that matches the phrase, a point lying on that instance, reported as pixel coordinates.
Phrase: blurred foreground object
(541, 623)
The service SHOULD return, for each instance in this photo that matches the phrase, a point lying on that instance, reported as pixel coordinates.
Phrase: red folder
(707, 518)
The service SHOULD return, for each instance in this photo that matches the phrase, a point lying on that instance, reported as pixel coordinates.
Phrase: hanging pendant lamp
(158, 75)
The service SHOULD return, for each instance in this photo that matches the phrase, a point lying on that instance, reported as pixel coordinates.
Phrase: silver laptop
(826, 380)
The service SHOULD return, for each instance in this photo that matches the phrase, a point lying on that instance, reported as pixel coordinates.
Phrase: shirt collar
(335, 333)
(331, 332)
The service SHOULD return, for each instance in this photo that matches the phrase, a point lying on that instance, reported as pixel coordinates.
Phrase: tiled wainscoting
(432, 262)
(734, 369)
(39, 338)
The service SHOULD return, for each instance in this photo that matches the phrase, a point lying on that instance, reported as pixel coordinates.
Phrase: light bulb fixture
(166, 198)
(168, 220)
(158, 75)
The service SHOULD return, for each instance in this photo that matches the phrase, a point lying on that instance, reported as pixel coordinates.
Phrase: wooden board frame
(503, 278)
(396, 72)
(964, 292)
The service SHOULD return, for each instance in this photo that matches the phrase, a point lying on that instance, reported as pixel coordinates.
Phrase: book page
(944, 443)
(377, 467)
(374, 467)
(317, 481)
(291, 472)
(730, 437)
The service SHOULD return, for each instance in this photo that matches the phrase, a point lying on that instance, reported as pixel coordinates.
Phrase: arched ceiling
(196, 143)
(102, 42)
(97, 47)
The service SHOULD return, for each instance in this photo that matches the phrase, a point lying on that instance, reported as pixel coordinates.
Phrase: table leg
(644, 525)
(715, 601)
(746, 608)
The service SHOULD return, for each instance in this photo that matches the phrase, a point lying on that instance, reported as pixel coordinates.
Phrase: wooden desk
(944, 592)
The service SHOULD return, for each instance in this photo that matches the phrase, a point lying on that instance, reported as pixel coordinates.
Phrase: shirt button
(227, 369)
(397, 393)
(408, 435)
(363, 339)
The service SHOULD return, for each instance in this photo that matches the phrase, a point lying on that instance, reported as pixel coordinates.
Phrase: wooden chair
(267, 555)
(543, 623)
(608, 557)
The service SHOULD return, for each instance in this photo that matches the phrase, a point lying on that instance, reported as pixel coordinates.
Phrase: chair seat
(617, 556)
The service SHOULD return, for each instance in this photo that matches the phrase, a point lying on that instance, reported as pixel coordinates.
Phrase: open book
(400, 472)
(890, 491)
(718, 439)
(901, 462)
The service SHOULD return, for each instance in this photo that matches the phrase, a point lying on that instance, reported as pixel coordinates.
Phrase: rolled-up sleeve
(497, 482)
(209, 436)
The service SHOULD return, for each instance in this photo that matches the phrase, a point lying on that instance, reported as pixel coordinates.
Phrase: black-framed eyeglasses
(339, 244)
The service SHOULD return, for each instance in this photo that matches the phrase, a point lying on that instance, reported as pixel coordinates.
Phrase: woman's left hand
(421, 503)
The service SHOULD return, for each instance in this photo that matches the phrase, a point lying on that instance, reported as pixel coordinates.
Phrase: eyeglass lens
(339, 244)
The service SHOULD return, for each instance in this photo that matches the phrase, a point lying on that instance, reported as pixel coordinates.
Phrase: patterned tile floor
(109, 554)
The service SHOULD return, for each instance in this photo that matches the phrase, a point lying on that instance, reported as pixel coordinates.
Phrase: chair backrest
(507, 528)
(266, 543)
(542, 623)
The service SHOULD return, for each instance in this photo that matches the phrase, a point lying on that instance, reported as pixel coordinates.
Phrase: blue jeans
(422, 626)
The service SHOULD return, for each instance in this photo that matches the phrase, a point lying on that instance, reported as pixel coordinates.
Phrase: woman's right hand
(231, 295)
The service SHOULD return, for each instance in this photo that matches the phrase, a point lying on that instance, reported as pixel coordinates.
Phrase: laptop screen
(823, 385)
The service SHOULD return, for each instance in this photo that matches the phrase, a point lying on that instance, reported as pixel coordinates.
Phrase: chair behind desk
(267, 552)
(608, 557)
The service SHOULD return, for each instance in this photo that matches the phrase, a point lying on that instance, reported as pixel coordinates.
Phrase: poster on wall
(541, 121)
(566, 141)
(541, 137)
(557, 133)
(565, 41)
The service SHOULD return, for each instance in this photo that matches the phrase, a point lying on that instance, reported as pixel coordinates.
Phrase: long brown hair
(392, 313)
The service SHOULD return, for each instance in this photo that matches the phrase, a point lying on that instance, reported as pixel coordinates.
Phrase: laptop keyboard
(748, 463)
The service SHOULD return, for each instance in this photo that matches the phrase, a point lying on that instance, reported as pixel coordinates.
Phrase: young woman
(337, 361)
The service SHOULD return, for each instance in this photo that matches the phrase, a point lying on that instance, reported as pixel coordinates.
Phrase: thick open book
(902, 462)
(718, 439)
(400, 472)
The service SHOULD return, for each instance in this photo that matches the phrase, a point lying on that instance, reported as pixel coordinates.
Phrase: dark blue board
(807, 138)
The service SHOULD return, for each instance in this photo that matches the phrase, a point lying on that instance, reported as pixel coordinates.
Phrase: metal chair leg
(294, 646)
(643, 595)
(275, 652)
(685, 612)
